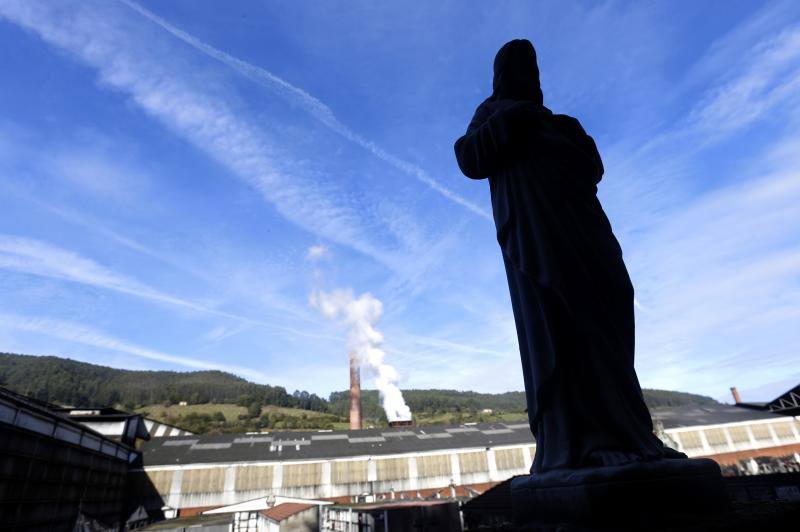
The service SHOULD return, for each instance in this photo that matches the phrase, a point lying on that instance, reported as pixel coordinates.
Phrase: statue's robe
(570, 291)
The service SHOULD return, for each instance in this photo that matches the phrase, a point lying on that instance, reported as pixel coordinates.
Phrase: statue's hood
(516, 73)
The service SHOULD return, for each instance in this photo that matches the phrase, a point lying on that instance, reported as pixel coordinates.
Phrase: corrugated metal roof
(314, 446)
(308, 445)
(690, 416)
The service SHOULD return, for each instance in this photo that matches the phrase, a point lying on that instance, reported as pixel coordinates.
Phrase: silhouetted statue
(570, 291)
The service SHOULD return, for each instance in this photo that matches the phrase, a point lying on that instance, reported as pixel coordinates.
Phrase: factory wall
(731, 437)
(196, 485)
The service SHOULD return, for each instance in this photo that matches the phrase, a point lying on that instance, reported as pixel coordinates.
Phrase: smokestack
(736, 397)
(359, 315)
(355, 393)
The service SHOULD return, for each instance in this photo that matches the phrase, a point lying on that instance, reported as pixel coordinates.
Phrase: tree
(254, 410)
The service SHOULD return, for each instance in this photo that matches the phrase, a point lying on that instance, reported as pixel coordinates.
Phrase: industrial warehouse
(199, 472)
(328, 480)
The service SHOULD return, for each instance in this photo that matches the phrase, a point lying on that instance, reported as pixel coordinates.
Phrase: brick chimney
(355, 393)
(736, 397)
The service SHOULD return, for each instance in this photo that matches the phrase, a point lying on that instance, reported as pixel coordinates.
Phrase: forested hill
(453, 400)
(73, 383)
(69, 382)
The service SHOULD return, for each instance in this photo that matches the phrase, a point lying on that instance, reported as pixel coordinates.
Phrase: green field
(183, 416)
(161, 412)
(450, 418)
(230, 411)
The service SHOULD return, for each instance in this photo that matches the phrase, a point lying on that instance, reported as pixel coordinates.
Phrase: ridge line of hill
(81, 384)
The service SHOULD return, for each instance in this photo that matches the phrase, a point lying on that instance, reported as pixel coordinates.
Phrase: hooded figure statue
(570, 291)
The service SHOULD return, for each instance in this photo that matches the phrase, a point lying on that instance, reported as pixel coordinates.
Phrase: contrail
(312, 105)
(34, 257)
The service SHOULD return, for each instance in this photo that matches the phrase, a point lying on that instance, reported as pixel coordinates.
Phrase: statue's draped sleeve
(480, 152)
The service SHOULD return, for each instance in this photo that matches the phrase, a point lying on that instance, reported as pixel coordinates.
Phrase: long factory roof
(317, 445)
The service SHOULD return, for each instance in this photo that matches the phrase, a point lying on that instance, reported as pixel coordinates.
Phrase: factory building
(208, 471)
(57, 474)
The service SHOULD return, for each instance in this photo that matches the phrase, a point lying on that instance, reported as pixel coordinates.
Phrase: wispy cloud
(703, 207)
(719, 279)
(34, 257)
(705, 216)
(317, 252)
(39, 258)
(311, 105)
(771, 76)
(105, 43)
(72, 332)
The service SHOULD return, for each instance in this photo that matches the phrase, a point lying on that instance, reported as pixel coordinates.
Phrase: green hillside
(219, 401)
(68, 382)
(440, 401)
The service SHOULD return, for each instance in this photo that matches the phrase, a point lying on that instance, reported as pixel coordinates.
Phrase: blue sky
(177, 178)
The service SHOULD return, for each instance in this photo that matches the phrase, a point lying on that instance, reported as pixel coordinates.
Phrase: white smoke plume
(359, 315)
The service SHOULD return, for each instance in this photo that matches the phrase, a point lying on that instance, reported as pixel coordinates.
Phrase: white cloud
(34, 257)
(107, 44)
(713, 259)
(313, 106)
(770, 77)
(317, 252)
(716, 271)
(719, 281)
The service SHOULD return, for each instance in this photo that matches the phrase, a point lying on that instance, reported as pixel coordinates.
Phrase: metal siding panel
(691, 440)
(348, 472)
(68, 434)
(295, 475)
(761, 433)
(207, 480)
(783, 430)
(162, 480)
(253, 478)
(35, 423)
(508, 459)
(717, 440)
(739, 434)
(433, 466)
(474, 462)
(392, 468)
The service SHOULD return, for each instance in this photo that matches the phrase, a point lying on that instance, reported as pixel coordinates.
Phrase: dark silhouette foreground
(570, 291)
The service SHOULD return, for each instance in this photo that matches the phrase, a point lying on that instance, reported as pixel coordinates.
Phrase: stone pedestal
(636, 493)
